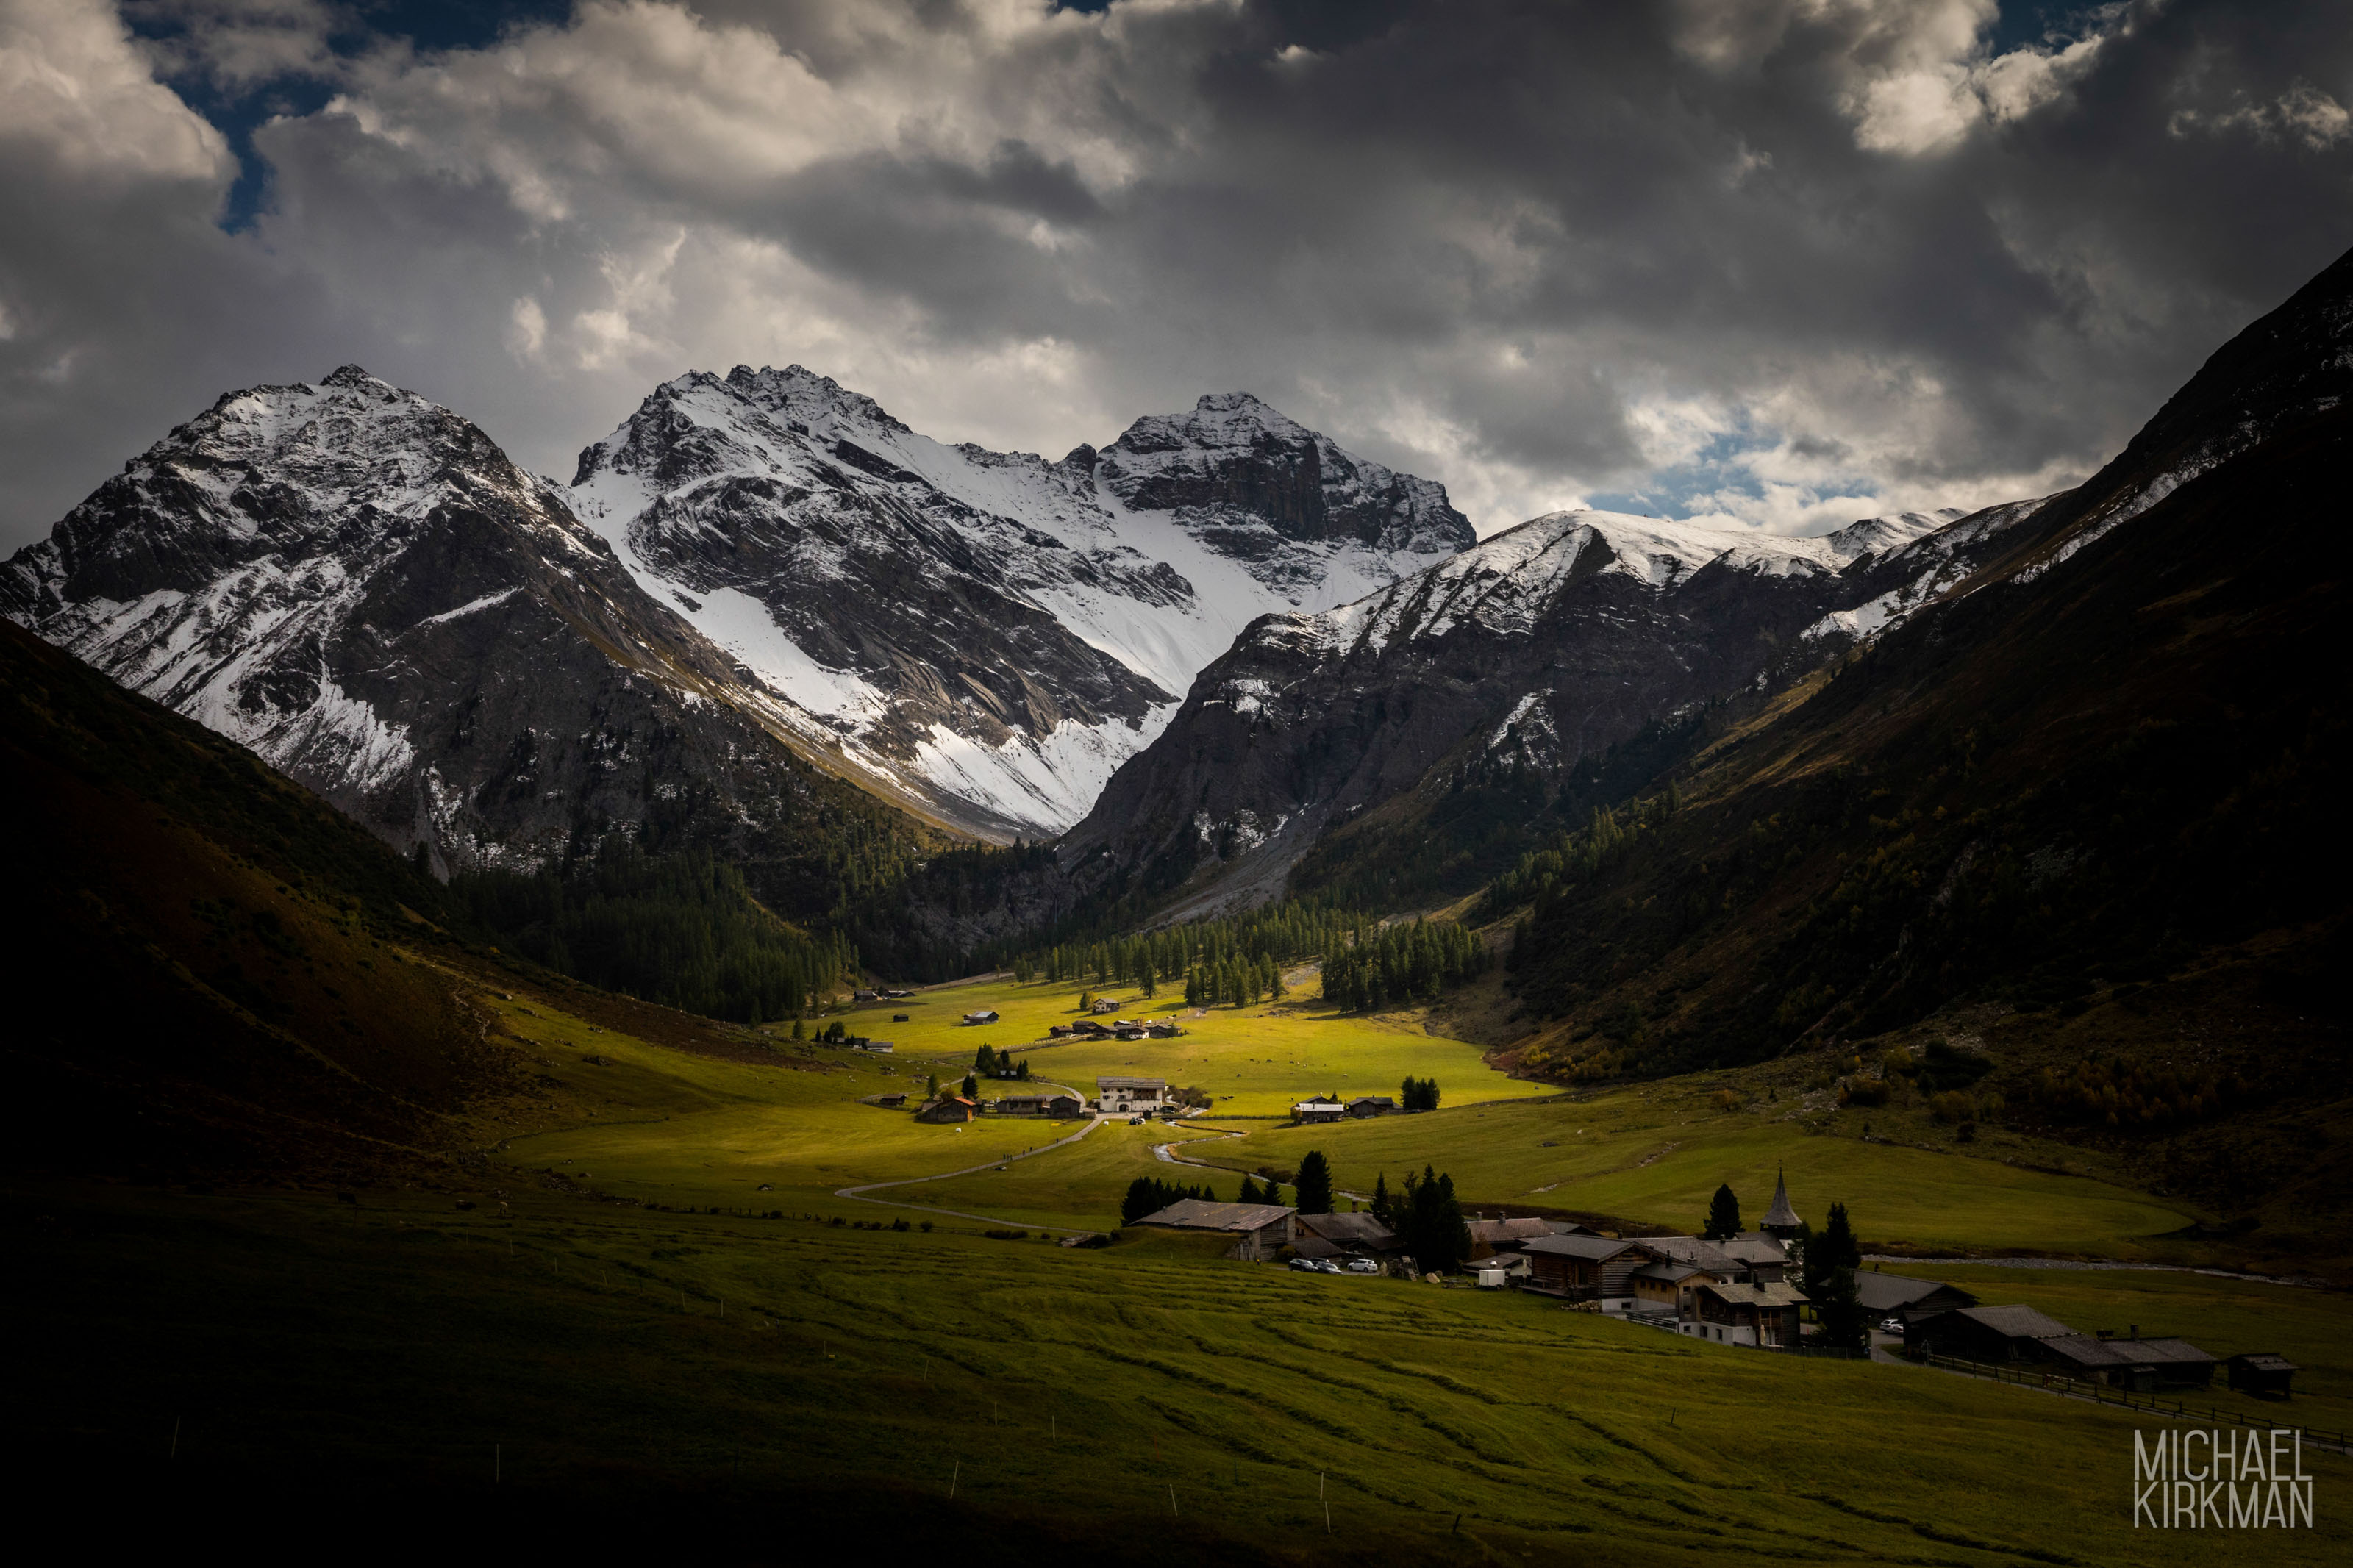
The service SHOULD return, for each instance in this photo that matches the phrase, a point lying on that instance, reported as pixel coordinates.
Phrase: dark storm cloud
(1782, 261)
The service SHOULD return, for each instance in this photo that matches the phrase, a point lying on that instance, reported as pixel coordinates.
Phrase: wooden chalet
(1258, 1229)
(894, 1100)
(1360, 1235)
(1901, 1296)
(1372, 1105)
(948, 1108)
(2266, 1374)
(984, 1015)
(1665, 1286)
(1505, 1235)
(1745, 1315)
(1584, 1269)
(1318, 1109)
(2017, 1333)
(1983, 1333)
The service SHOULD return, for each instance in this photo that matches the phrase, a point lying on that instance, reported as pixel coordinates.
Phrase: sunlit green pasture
(1253, 1061)
(1625, 1153)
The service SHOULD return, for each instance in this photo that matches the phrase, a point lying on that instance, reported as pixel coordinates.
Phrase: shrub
(1869, 1091)
(1006, 1234)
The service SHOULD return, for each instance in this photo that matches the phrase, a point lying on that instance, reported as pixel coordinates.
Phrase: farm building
(1664, 1287)
(1359, 1234)
(1762, 1261)
(985, 1015)
(1318, 1109)
(1900, 1296)
(862, 994)
(1258, 1228)
(1584, 1269)
(1510, 1234)
(1125, 1096)
(1692, 1249)
(2264, 1372)
(2138, 1364)
(1041, 1104)
(882, 1046)
(1984, 1334)
(1737, 1314)
(892, 1101)
(1163, 1029)
(1105, 1004)
(1372, 1105)
(947, 1108)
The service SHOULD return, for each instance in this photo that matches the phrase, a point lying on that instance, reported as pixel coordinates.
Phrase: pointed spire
(1780, 1216)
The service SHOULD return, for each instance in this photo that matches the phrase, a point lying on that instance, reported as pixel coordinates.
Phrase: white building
(1130, 1096)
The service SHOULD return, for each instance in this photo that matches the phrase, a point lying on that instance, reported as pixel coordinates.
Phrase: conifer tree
(1314, 1186)
(1273, 1190)
(1250, 1193)
(1723, 1214)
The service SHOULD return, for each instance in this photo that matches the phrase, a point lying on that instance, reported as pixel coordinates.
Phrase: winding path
(859, 1191)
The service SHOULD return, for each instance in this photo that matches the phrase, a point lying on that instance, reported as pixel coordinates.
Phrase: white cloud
(77, 96)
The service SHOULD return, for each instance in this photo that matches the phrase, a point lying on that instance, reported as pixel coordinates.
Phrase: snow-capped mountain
(361, 587)
(996, 632)
(1535, 648)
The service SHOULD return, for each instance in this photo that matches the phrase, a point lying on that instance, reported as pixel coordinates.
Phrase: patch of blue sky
(238, 108)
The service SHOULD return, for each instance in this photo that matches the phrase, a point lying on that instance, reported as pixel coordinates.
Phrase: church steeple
(1780, 1221)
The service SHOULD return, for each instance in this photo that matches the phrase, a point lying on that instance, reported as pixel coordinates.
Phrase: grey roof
(1749, 1249)
(1504, 1232)
(1372, 1099)
(2019, 1322)
(1131, 1083)
(1888, 1292)
(1192, 1214)
(1780, 1212)
(1592, 1248)
(1315, 1247)
(1780, 1293)
(1689, 1249)
(1669, 1272)
(2265, 1361)
(1363, 1229)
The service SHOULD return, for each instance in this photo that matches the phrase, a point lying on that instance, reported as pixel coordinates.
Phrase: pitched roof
(1749, 1249)
(1192, 1214)
(1780, 1293)
(1886, 1292)
(1592, 1248)
(1669, 1272)
(1131, 1083)
(1497, 1231)
(1689, 1249)
(2019, 1322)
(2265, 1361)
(1315, 1247)
(1357, 1227)
(1780, 1214)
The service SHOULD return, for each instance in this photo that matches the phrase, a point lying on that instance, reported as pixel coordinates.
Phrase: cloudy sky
(1787, 262)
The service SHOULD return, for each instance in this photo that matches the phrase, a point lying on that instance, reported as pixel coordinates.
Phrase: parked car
(1890, 1325)
(1363, 1265)
(1306, 1265)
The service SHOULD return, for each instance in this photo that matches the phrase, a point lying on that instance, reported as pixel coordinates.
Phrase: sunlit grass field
(1625, 1153)
(1253, 1061)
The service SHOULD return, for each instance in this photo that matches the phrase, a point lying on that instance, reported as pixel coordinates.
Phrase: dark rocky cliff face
(1536, 649)
(361, 589)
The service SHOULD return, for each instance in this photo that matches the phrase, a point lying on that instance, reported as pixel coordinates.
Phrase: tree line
(681, 928)
(1397, 965)
(1278, 933)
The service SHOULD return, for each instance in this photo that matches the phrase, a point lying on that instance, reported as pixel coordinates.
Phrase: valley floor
(656, 1290)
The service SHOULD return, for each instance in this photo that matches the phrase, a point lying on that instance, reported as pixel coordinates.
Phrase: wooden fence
(2124, 1399)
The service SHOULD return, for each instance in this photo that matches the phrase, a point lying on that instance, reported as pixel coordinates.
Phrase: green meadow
(670, 1338)
(1146, 1392)
(1253, 1061)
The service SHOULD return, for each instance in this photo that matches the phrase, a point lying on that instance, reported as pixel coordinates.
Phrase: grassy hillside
(2080, 826)
(218, 972)
(853, 1378)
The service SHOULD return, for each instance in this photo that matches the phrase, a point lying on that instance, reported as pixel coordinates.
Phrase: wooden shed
(2264, 1372)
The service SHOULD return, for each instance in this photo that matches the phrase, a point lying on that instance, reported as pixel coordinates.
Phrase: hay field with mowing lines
(609, 1351)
